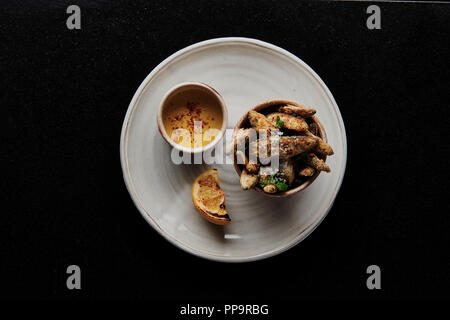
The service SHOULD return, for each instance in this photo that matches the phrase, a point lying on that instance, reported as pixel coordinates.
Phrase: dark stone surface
(64, 97)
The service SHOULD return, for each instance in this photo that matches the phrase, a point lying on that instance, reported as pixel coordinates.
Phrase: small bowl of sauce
(192, 117)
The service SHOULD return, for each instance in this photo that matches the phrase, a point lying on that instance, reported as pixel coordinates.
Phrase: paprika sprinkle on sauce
(192, 119)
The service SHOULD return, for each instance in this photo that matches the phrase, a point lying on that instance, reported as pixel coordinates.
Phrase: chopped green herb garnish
(262, 182)
(271, 179)
(281, 186)
(280, 123)
(294, 114)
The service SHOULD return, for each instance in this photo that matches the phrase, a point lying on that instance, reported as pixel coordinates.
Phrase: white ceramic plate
(245, 72)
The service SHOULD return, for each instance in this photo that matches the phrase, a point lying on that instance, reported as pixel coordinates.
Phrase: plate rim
(301, 235)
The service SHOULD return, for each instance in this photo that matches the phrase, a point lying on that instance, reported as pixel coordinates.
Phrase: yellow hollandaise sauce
(192, 118)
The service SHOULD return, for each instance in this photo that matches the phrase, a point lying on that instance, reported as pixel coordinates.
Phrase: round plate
(245, 72)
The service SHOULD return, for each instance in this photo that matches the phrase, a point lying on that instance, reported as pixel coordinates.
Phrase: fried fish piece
(251, 166)
(322, 147)
(260, 149)
(259, 121)
(301, 111)
(244, 135)
(288, 121)
(287, 146)
(241, 136)
(248, 180)
(291, 146)
(287, 170)
(270, 188)
(306, 171)
(312, 160)
(241, 158)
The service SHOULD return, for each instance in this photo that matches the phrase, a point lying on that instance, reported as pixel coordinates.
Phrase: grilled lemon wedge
(209, 199)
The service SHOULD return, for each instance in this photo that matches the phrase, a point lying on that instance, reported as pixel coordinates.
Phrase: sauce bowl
(183, 92)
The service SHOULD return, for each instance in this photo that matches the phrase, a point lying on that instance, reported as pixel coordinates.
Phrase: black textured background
(64, 95)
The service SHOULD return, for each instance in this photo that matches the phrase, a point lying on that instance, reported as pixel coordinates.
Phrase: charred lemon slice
(209, 199)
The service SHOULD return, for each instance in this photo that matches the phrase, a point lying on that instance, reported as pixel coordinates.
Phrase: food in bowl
(192, 116)
(289, 131)
(209, 198)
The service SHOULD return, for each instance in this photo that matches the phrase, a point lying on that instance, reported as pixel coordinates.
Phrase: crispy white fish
(259, 121)
(287, 146)
(306, 171)
(302, 111)
(288, 121)
(248, 180)
(322, 147)
(251, 166)
(318, 164)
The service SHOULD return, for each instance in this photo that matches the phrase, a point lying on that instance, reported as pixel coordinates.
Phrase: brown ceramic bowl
(266, 108)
